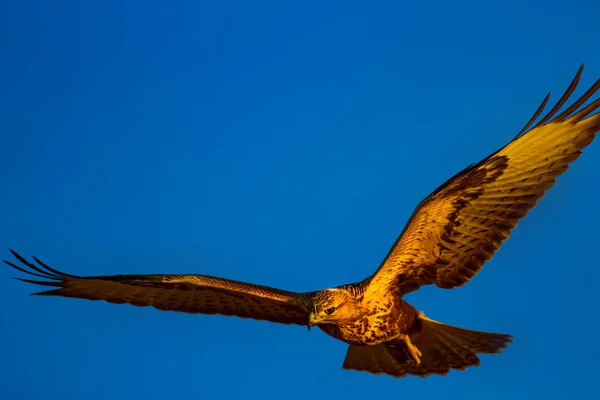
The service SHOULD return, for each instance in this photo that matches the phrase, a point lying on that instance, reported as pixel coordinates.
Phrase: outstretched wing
(198, 294)
(457, 228)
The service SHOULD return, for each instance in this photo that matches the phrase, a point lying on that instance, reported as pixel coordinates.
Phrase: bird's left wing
(460, 226)
(198, 294)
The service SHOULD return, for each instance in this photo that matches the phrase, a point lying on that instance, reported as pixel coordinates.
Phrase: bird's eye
(330, 310)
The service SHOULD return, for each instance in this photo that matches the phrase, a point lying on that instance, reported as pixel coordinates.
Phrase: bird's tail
(442, 347)
(455, 337)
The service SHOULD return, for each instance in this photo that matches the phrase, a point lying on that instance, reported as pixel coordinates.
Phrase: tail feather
(477, 342)
(443, 347)
(456, 356)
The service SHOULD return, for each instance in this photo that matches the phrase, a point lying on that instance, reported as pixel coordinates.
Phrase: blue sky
(282, 144)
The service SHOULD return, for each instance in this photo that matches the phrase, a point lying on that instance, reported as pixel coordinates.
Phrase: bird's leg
(414, 351)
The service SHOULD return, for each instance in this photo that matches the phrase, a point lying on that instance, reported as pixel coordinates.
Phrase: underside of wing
(197, 294)
(459, 227)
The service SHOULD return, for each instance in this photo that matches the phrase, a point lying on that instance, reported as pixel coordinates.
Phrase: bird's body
(390, 320)
(369, 321)
(447, 240)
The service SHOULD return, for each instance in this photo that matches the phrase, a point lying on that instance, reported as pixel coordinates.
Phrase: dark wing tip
(41, 283)
(52, 276)
(561, 102)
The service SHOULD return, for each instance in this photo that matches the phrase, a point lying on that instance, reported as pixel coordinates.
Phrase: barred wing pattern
(197, 294)
(459, 227)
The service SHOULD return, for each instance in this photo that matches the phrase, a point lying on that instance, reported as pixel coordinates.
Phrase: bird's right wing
(460, 226)
(198, 294)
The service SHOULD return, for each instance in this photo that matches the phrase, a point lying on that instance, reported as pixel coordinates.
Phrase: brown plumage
(448, 238)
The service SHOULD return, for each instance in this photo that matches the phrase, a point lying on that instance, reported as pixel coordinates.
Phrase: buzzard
(446, 241)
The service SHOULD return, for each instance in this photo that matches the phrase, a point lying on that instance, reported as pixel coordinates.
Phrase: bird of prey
(447, 240)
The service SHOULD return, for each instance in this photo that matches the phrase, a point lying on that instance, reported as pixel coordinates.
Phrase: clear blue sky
(285, 145)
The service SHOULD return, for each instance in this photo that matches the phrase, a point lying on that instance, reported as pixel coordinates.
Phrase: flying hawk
(448, 238)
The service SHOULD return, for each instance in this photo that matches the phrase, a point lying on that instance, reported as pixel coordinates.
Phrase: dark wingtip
(43, 271)
(561, 102)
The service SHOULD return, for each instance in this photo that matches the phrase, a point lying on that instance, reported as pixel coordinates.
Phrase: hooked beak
(312, 320)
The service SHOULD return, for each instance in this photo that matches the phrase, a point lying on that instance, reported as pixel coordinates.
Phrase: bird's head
(332, 306)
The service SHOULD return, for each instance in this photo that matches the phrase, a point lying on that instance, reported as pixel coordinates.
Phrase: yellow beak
(312, 320)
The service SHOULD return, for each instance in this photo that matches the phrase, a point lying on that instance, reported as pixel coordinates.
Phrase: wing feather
(456, 229)
(197, 294)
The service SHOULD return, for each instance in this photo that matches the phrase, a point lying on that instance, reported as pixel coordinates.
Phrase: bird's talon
(413, 350)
